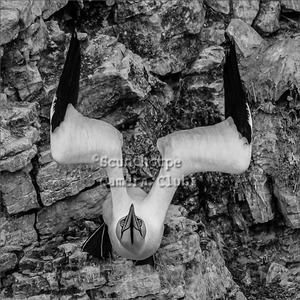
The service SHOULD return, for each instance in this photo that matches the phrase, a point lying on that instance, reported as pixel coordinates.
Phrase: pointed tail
(236, 105)
(67, 91)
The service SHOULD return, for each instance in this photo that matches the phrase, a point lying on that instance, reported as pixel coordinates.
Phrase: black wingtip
(98, 244)
(235, 97)
(68, 87)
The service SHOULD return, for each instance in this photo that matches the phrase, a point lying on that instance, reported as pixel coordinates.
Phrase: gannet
(133, 220)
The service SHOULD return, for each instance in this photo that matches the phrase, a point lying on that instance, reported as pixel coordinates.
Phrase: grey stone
(45, 157)
(9, 27)
(12, 12)
(34, 285)
(158, 33)
(277, 272)
(258, 195)
(27, 80)
(34, 39)
(240, 296)
(213, 32)
(288, 203)
(211, 264)
(28, 10)
(219, 6)
(265, 137)
(120, 74)
(269, 147)
(246, 38)
(19, 194)
(290, 5)
(18, 114)
(139, 282)
(29, 265)
(18, 161)
(217, 208)
(181, 251)
(8, 261)
(88, 278)
(17, 231)
(57, 217)
(275, 70)
(59, 181)
(246, 10)
(267, 19)
(51, 6)
(208, 59)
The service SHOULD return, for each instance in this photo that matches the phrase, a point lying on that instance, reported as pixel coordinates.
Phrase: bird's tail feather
(236, 105)
(67, 91)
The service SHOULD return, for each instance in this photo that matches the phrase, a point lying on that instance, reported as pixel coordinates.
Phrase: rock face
(158, 32)
(17, 232)
(246, 38)
(119, 75)
(282, 56)
(149, 68)
(246, 10)
(219, 6)
(19, 194)
(267, 19)
(259, 196)
(291, 5)
(288, 202)
(183, 269)
(87, 205)
(57, 182)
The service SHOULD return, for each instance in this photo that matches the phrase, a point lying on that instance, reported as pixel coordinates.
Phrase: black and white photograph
(150, 149)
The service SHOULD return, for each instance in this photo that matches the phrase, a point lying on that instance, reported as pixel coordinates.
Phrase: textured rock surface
(259, 197)
(17, 232)
(149, 68)
(280, 62)
(208, 58)
(19, 194)
(277, 272)
(267, 19)
(51, 7)
(246, 10)
(56, 218)
(157, 32)
(57, 182)
(17, 137)
(293, 5)
(18, 140)
(246, 38)
(219, 6)
(8, 261)
(288, 202)
(119, 75)
(183, 269)
(9, 25)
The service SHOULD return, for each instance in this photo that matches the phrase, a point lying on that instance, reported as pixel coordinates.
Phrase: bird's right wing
(98, 244)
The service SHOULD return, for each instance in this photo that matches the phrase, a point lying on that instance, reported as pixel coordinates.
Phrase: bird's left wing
(74, 138)
(219, 148)
(223, 147)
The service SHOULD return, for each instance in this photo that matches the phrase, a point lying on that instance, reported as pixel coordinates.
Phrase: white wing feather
(218, 148)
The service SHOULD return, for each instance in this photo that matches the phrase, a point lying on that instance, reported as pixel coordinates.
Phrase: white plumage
(133, 219)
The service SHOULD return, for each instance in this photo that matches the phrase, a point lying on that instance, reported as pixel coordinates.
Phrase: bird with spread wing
(133, 220)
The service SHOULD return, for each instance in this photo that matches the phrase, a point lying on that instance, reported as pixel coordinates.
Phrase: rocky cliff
(149, 68)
